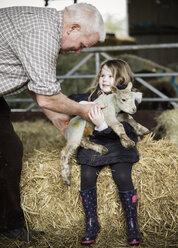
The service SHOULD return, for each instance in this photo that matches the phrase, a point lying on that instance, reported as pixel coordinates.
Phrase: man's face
(76, 41)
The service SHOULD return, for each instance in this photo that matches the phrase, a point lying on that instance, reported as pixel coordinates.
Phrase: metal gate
(97, 52)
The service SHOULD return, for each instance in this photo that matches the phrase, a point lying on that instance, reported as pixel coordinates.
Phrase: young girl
(112, 72)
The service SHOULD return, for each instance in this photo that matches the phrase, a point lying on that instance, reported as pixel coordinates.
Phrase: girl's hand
(96, 116)
(88, 106)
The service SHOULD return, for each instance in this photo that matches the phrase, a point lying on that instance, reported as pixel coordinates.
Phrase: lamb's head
(125, 100)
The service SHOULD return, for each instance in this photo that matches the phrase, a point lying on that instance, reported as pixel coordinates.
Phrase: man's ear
(73, 27)
(114, 89)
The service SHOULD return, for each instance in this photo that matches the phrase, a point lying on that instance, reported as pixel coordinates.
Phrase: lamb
(78, 130)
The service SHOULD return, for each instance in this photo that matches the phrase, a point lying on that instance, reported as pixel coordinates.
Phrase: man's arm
(58, 109)
(62, 104)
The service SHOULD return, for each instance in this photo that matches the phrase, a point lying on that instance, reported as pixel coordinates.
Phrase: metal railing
(101, 51)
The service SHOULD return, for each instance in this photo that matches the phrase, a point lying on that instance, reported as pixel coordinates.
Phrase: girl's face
(106, 79)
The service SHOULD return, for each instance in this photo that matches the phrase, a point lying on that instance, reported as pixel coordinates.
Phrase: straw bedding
(55, 208)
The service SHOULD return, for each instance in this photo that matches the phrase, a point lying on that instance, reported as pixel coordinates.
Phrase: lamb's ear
(114, 89)
(129, 86)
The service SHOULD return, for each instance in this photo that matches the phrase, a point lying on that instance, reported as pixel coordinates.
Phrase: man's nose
(78, 51)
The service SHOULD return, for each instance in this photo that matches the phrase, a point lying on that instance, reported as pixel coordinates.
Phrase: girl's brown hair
(121, 72)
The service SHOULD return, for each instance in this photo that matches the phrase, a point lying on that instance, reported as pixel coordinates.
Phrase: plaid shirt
(30, 40)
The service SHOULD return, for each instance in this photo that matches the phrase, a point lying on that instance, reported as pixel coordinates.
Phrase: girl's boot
(129, 201)
(88, 198)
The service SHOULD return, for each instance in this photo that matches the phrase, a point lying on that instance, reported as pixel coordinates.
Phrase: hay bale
(55, 208)
(167, 126)
(51, 206)
(38, 134)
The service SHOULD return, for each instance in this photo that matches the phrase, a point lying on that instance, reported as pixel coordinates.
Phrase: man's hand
(87, 109)
(59, 120)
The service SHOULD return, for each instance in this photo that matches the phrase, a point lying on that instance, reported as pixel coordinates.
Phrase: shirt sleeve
(102, 127)
(38, 51)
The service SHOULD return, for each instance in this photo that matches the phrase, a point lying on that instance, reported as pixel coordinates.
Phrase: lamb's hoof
(66, 177)
(104, 150)
(67, 181)
(101, 149)
(147, 131)
(143, 131)
(127, 143)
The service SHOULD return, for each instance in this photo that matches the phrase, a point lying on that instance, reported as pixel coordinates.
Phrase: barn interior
(151, 49)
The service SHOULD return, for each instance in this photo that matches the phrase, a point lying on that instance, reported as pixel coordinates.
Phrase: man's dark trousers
(11, 152)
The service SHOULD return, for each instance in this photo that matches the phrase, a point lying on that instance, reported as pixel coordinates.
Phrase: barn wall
(154, 22)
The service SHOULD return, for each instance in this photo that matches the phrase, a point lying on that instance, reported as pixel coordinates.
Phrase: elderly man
(31, 39)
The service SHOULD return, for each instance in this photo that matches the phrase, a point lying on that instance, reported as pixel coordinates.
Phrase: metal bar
(166, 74)
(83, 61)
(135, 75)
(97, 62)
(75, 76)
(19, 100)
(106, 56)
(155, 90)
(30, 100)
(23, 110)
(30, 107)
(130, 47)
(159, 99)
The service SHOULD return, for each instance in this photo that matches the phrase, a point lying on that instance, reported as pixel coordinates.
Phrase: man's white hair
(88, 16)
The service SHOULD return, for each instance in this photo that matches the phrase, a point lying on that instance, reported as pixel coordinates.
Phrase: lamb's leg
(66, 154)
(120, 131)
(87, 144)
(138, 128)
